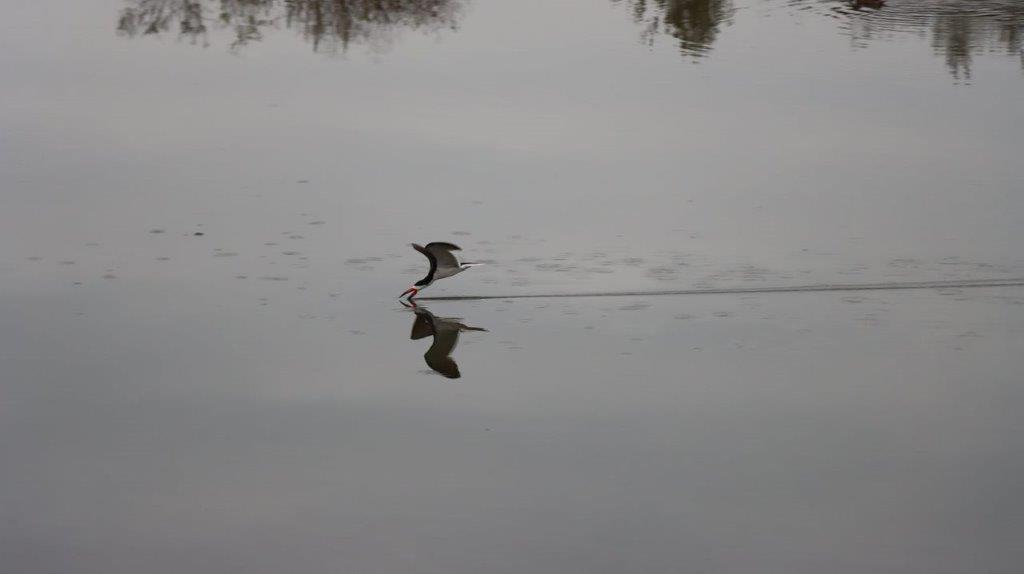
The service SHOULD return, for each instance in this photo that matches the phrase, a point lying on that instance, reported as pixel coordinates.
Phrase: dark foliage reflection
(329, 25)
(957, 29)
(695, 24)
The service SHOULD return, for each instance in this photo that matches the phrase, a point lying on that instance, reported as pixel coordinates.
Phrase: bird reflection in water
(445, 331)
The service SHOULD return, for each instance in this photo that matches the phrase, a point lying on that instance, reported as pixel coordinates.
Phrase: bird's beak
(411, 291)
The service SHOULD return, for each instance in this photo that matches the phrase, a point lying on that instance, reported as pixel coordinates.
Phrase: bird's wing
(442, 253)
(433, 264)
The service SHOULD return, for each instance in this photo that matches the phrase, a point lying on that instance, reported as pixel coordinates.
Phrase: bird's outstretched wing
(442, 252)
(426, 253)
(433, 264)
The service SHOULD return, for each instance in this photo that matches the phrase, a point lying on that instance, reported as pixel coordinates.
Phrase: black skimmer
(443, 263)
(445, 331)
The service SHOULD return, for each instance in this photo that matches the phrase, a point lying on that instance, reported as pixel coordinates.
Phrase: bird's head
(411, 292)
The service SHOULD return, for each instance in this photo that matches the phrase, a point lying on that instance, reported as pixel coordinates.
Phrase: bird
(445, 331)
(443, 263)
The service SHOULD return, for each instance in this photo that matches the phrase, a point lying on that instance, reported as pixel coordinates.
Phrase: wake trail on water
(819, 287)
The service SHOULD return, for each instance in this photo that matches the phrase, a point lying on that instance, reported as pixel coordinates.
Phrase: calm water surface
(205, 211)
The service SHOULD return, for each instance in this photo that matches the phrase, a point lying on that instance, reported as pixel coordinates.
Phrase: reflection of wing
(422, 326)
(442, 252)
(438, 356)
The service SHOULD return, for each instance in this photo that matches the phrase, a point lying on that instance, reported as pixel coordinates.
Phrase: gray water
(205, 212)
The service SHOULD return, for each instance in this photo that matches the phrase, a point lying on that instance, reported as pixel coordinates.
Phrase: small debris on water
(362, 260)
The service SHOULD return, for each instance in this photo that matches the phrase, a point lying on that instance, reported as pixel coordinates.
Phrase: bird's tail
(471, 264)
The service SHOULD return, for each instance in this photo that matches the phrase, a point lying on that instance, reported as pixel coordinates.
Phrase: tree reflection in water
(329, 25)
(694, 23)
(958, 29)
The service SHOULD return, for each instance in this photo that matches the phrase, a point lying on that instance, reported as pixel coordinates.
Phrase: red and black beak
(411, 292)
